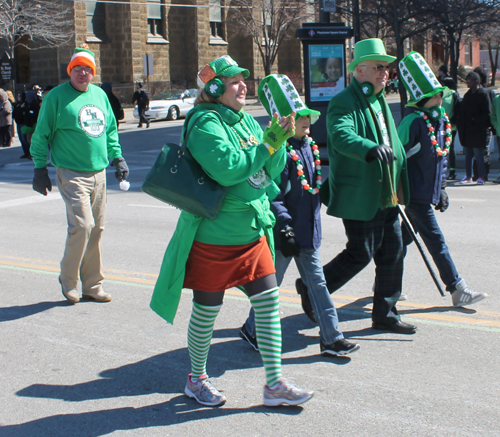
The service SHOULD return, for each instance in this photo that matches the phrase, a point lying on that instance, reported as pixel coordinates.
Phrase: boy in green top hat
(297, 232)
(426, 133)
(367, 169)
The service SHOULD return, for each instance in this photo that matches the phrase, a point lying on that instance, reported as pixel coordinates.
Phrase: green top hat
(418, 78)
(278, 94)
(371, 49)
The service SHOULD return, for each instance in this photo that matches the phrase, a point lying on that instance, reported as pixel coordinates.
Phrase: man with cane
(367, 169)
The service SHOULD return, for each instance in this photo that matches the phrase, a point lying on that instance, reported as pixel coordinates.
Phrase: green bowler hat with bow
(418, 78)
(278, 94)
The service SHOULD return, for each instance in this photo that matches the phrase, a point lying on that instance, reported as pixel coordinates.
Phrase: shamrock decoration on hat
(418, 78)
(278, 94)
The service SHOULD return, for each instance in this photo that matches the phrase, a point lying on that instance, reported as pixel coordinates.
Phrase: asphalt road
(118, 369)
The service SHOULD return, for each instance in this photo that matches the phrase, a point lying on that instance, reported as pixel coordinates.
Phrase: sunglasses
(378, 68)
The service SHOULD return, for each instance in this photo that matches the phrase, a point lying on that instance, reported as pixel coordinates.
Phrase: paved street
(118, 369)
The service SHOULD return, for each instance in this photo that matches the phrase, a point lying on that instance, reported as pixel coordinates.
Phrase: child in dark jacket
(297, 233)
(426, 134)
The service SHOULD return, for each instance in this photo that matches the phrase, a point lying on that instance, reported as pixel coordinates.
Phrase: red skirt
(214, 267)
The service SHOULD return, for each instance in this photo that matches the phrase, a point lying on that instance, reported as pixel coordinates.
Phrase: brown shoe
(100, 296)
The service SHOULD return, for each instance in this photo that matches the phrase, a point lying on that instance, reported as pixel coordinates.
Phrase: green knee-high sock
(268, 329)
(201, 327)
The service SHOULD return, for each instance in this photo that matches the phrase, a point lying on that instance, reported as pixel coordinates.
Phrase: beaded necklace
(245, 142)
(432, 134)
(300, 167)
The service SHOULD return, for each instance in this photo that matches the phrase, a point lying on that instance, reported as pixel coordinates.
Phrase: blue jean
(479, 155)
(311, 272)
(424, 222)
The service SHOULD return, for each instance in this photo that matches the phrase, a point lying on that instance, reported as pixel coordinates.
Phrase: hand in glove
(444, 201)
(382, 153)
(121, 172)
(41, 181)
(279, 131)
(289, 246)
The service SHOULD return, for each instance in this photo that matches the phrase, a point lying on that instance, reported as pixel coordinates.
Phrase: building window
(155, 19)
(468, 53)
(216, 28)
(96, 19)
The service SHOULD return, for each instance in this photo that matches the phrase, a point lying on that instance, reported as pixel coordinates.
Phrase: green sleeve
(218, 151)
(45, 128)
(404, 129)
(342, 131)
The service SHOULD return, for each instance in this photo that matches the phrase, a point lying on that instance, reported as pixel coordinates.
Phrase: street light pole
(355, 20)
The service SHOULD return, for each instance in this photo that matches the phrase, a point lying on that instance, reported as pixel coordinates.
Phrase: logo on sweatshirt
(92, 120)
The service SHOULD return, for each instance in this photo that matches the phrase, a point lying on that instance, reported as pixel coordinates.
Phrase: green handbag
(176, 178)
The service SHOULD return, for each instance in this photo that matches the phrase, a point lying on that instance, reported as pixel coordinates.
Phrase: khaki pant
(85, 197)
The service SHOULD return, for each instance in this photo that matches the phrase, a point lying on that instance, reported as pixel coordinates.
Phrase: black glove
(289, 246)
(382, 152)
(41, 181)
(121, 172)
(444, 201)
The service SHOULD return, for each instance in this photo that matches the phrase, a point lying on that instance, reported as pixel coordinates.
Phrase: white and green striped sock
(268, 329)
(201, 327)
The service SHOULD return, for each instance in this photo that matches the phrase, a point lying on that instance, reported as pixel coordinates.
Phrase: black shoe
(340, 347)
(452, 176)
(252, 341)
(147, 125)
(399, 327)
(306, 302)
(26, 156)
(139, 125)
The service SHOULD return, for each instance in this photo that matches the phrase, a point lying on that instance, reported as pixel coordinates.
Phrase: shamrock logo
(285, 80)
(294, 96)
(418, 94)
(272, 136)
(435, 114)
(365, 90)
(297, 104)
(213, 88)
(289, 88)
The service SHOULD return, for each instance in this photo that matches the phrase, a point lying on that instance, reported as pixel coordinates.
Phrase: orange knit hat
(82, 56)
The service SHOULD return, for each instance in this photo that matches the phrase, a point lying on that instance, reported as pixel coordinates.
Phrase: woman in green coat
(235, 249)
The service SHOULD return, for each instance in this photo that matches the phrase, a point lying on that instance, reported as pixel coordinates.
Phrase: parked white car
(170, 104)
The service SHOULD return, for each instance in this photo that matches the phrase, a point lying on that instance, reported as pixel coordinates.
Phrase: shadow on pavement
(8, 314)
(177, 410)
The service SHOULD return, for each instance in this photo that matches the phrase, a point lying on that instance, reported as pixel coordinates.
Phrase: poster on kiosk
(325, 68)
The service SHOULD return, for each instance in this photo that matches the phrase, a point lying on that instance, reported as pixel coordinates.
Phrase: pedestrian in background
(5, 119)
(18, 116)
(77, 119)
(114, 101)
(474, 127)
(141, 96)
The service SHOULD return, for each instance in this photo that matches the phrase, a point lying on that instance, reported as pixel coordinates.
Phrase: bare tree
(491, 36)
(458, 18)
(268, 22)
(34, 24)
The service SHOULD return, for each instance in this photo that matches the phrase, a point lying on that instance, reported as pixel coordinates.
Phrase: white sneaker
(285, 393)
(463, 295)
(204, 392)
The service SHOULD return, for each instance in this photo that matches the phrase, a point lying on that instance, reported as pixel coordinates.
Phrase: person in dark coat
(116, 106)
(18, 116)
(474, 127)
(142, 98)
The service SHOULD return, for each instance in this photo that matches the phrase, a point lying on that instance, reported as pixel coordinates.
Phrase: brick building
(180, 35)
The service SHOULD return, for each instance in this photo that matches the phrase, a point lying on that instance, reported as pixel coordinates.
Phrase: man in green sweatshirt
(77, 121)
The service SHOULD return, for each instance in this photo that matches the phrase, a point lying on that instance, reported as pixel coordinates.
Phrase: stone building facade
(180, 35)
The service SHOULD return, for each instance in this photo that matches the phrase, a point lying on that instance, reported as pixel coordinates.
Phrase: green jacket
(356, 187)
(248, 171)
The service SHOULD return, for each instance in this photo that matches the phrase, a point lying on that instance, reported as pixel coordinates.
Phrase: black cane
(421, 250)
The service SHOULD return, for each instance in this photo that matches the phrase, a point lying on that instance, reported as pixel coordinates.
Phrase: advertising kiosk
(325, 68)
